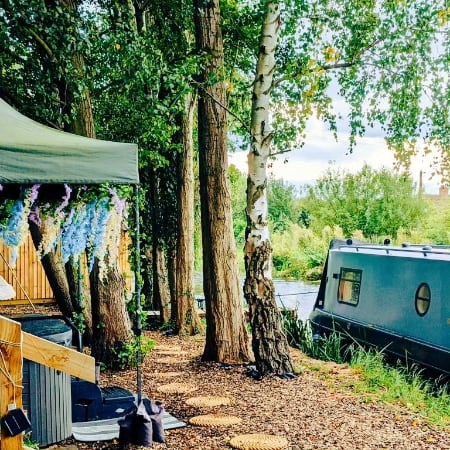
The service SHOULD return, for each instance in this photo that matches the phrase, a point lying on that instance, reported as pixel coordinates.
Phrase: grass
(405, 386)
(374, 380)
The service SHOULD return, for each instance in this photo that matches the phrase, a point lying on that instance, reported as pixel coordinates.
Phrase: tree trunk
(56, 274)
(160, 287)
(81, 297)
(269, 343)
(172, 281)
(187, 319)
(161, 284)
(111, 319)
(226, 335)
(107, 323)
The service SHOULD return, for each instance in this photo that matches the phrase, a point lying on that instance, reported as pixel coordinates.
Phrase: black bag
(155, 410)
(136, 427)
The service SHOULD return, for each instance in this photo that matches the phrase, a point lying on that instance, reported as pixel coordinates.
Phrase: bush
(299, 253)
(129, 354)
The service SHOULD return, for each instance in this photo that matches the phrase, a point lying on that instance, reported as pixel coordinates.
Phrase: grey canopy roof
(34, 153)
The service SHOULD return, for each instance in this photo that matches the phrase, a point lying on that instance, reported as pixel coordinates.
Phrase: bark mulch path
(317, 410)
(313, 411)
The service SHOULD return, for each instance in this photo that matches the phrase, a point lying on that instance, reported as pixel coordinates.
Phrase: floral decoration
(80, 224)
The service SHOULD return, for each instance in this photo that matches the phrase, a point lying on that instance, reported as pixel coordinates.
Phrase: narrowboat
(396, 298)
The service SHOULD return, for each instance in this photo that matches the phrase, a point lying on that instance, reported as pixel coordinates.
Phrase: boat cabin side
(398, 291)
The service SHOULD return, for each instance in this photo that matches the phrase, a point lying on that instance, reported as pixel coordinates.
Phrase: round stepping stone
(167, 374)
(171, 352)
(208, 401)
(176, 388)
(259, 441)
(167, 347)
(214, 420)
(171, 360)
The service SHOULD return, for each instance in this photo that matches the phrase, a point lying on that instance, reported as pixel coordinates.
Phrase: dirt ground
(316, 410)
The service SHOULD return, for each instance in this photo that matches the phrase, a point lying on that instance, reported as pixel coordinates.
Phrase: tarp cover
(34, 153)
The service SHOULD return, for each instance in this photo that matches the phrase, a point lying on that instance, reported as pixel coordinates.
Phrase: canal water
(296, 295)
(290, 294)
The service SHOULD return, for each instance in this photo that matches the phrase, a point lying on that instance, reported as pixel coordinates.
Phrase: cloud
(306, 165)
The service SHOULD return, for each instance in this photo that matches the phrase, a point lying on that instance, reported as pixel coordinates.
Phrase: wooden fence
(28, 278)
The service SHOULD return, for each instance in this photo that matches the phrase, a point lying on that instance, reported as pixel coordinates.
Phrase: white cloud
(307, 164)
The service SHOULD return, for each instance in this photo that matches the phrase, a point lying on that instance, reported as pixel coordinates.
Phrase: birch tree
(268, 340)
(388, 59)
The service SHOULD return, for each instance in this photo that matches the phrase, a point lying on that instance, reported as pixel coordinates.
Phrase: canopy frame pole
(137, 281)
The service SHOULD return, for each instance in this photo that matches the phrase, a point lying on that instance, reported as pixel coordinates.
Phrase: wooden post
(10, 376)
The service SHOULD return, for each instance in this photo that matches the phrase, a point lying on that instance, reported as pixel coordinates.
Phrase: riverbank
(316, 410)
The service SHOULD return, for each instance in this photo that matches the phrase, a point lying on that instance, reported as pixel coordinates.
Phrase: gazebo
(31, 153)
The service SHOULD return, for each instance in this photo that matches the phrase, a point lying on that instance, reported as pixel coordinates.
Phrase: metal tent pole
(137, 287)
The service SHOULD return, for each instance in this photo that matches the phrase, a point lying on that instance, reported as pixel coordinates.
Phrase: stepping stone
(167, 347)
(171, 360)
(171, 352)
(214, 420)
(259, 441)
(167, 374)
(208, 401)
(176, 388)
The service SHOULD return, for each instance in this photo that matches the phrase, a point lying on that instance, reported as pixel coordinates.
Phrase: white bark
(269, 342)
(257, 208)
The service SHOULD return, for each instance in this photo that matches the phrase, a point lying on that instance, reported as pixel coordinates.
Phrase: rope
(298, 293)
(6, 373)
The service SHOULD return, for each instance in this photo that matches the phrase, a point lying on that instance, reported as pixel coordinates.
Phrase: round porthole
(423, 299)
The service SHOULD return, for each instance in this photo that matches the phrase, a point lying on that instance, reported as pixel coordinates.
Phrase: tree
(384, 54)
(283, 207)
(269, 343)
(378, 203)
(187, 318)
(238, 182)
(226, 336)
(149, 63)
(53, 35)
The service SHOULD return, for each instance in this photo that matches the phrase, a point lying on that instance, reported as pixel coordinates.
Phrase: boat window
(349, 286)
(423, 299)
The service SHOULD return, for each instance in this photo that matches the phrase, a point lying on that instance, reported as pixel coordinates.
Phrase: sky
(305, 165)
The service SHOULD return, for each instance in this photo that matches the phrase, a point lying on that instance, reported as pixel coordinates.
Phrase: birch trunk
(226, 335)
(268, 340)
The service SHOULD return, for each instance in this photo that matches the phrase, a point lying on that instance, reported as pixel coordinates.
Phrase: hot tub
(46, 392)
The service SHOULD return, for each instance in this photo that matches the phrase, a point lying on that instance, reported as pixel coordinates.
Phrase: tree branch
(41, 41)
(342, 64)
(354, 59)
(223, 106)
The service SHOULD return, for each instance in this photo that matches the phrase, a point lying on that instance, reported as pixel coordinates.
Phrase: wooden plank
(10, 377)
(58, 357)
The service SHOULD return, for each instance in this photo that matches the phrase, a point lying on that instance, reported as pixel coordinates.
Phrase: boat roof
(438, 252)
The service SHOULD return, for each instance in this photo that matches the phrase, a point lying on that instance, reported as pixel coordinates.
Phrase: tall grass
(299, 334)
(299, 253)
(427, 398)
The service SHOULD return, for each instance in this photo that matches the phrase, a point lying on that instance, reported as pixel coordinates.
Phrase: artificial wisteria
(83, 225)
(14, 233)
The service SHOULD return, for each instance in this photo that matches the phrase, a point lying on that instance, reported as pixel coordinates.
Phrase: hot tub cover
(34, 153)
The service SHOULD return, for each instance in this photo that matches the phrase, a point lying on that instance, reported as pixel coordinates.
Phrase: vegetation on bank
(370, 205)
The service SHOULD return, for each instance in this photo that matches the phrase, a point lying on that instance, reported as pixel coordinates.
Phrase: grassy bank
(373, 380)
